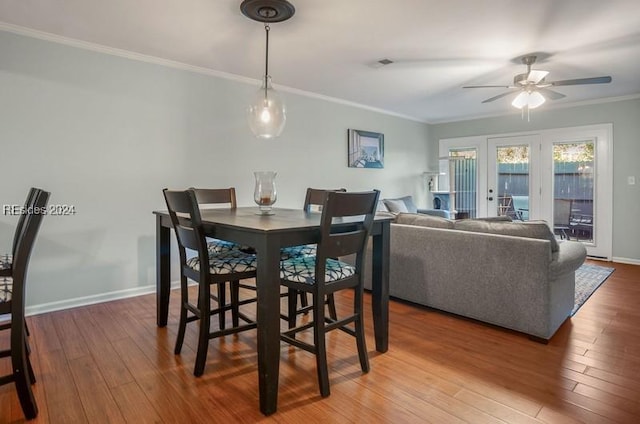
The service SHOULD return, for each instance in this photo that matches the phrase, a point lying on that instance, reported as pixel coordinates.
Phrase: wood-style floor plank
(111, 363)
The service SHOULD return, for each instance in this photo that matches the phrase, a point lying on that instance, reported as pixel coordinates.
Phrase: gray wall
(625, 117)
(106, 134)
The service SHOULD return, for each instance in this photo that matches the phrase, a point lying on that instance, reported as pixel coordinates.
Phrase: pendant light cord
(266, 60)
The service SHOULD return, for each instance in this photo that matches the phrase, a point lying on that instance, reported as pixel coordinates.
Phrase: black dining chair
(7, 259)
(345, 227)
(313, 202)
(12, 303)
(224, 198)
(218, 198)
(218, 269)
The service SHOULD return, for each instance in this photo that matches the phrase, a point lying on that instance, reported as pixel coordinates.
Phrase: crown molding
(99, 48)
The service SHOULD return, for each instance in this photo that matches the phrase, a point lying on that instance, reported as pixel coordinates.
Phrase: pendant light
(267, 113)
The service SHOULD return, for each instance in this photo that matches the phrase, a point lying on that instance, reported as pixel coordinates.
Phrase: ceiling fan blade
(497, 97)
(553, 95)
(486, 86)
(594, 80)
(536, 76)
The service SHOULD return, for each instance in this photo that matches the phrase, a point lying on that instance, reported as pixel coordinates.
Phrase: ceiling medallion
(267, 11)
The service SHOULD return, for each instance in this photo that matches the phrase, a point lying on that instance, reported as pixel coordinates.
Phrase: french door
(512, 183)
(561, 176)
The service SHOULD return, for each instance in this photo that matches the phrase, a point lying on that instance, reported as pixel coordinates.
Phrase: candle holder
(265, 194)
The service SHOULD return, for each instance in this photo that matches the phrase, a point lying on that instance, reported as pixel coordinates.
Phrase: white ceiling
(329, 46)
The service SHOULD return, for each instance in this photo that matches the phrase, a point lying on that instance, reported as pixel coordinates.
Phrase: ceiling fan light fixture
(521, 100)
(530, 100)
(536, 99)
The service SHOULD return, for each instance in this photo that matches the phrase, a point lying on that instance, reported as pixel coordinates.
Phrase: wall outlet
(631, 180)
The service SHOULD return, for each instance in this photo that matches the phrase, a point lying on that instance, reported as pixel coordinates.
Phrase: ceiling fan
(533, 87)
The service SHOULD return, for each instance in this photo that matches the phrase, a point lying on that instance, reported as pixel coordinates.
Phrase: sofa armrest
(569, 258)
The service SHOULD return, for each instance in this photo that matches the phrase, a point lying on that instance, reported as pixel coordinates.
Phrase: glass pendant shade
(530, 100)
(267, 113)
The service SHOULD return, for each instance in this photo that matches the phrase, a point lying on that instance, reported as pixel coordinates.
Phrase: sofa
(406, 204)
(510, 274)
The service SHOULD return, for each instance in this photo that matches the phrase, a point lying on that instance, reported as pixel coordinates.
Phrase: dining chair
(345, 227)
(12, 303)
(7, 259)
(223, 198)
(313, 202)
(218, 198)
(219, 269)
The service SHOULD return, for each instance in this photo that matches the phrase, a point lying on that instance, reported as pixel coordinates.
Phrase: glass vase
(265, 194)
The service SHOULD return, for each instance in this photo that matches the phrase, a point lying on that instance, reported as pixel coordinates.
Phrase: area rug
(588, 279)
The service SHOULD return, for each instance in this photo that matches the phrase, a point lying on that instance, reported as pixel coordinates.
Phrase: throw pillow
(381, 207)
(424, 220)
(408, 201)
(396, 205)
(530, 229)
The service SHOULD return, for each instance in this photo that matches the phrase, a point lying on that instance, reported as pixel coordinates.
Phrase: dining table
(267, 234)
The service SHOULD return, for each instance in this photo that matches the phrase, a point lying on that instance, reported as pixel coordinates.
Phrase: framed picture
(365, 149)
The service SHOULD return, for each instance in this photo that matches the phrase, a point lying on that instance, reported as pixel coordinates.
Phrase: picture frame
(365, 149)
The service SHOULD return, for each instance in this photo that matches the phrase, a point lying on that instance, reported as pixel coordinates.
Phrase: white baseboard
(626, 261)
(91, 300)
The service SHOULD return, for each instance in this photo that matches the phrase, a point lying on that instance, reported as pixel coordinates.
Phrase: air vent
(380, 63)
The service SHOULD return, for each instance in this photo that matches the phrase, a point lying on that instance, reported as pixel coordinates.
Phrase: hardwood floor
(110, 363)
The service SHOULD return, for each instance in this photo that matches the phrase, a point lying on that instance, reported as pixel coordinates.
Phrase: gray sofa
(406, 205)
(510, 274)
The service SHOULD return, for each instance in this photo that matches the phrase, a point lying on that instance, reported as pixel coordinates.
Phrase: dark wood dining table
(267, 234)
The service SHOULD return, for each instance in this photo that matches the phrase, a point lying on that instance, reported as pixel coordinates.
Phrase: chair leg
(359, 329)
(292, 307)
(304, 302)
(32, 375)
(320, 343)
(331, 303)
(222, 303)
(235, 299)
(204, 305)
(182, 325)
(21, 371)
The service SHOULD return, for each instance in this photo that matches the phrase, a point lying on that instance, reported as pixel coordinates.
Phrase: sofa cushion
(424, 220)
(396, 205)
(529, 229)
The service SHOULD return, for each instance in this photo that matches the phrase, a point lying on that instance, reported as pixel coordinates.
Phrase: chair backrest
(561, 212)
(216, 196)
(521, 206)
(24, 247)
(31, 197)
(187, 222)
(337, 239)
(317, 197)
